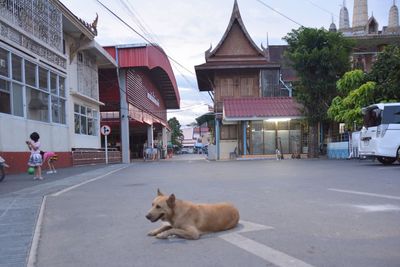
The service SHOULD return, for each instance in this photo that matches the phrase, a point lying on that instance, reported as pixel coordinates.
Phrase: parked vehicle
(380, 135)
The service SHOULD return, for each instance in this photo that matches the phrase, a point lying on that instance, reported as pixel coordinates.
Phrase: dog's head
(162, 207)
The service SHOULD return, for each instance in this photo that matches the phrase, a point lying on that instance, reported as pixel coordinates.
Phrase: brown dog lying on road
(189, 220)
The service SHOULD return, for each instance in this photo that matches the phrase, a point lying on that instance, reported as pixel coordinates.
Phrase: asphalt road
(293, 213)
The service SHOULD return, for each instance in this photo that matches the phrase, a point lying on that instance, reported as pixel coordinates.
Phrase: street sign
(105, 130)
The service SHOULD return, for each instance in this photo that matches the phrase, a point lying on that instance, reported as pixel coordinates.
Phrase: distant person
(35, 159)
(49, 157)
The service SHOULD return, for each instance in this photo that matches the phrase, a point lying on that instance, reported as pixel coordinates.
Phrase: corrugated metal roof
(154, 59)
(261, 108)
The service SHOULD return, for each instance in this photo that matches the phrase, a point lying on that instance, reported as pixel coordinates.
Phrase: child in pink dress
(50, 157)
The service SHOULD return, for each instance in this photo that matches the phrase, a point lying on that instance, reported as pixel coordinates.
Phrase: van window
(373, 117)
(391, 115)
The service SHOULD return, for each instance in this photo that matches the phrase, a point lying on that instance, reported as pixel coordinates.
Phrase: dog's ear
(171, 201)
(159, 192)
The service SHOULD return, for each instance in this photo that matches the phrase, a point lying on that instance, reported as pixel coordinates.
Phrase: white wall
(14, 131)
(77, 140)
(226, 147)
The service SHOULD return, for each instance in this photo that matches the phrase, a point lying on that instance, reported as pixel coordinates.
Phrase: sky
(185, 29)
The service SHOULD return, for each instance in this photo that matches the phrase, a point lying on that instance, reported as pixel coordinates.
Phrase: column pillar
(217, 137)
(150, 136)
(164, 142)
(124, 112)
(245, 138)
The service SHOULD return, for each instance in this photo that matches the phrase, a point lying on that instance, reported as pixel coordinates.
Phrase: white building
(49, 65)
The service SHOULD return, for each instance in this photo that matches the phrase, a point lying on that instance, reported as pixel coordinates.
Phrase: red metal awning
(261, 108)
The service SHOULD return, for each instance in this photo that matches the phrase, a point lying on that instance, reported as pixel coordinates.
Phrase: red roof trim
(261, 108)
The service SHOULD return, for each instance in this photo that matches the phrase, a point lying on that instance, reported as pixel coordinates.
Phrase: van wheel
(386, 160)
(398, 155)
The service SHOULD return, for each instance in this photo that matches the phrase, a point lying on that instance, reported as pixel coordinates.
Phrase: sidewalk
(20, 202)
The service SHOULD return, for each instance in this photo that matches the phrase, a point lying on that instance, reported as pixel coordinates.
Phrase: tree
(386, 74)
(358, 90)
(176, 132)
(319, 57)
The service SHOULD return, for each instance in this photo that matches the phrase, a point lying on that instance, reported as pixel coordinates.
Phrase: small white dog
(278, 154)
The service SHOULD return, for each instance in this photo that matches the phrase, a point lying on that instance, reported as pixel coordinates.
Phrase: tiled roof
(262, 108)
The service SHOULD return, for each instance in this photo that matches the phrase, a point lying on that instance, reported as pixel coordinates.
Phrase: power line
(323, 9)
(147, 40)
(280, 13)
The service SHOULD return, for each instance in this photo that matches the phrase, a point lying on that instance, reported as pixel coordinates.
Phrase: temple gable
(236, 44)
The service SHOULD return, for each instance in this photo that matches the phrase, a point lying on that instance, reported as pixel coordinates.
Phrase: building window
(270, 83)
(86, 120)
(31, 83)
(17, 68)
(228, 132)
(87, 75)
(30, 73)
(4, 62)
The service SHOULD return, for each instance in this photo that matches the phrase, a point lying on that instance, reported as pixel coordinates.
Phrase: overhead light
(278, 119)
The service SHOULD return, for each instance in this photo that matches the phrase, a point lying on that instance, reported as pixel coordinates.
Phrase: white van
(380, 135)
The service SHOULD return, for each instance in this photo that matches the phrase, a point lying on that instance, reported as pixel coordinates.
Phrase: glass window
(270, 82)
(373, 117)
(5, 97)
(43, 81)
(269, 137)
(30, 73)
(391, 115)
(37, 105)
(228, 132)
(62, 111)
(90, 126)
(83, 125)
(86, 120)
(58, 110)
(53, 83)
(4, 62)
(61, 86)
(77, 123)
(17, 103)
(17, 68)
(257, 142)
(55, 109)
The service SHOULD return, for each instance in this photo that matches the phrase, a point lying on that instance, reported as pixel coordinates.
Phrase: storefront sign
(153, 98)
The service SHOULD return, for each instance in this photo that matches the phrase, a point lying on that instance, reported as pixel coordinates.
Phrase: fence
(95, 156)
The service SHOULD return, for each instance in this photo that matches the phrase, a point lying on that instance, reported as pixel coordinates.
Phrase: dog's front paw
(152, 233)
(162, 236)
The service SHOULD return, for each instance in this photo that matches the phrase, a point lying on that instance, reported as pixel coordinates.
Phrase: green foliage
(359, 90)
(319, 57)
(350, 81)
(176, 132)
(386, 73)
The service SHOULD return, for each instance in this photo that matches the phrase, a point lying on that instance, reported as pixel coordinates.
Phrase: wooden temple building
(254, 112)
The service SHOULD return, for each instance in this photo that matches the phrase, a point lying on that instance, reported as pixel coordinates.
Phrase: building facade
(255, 113)
(369, 38)
(138, 94)
(48, 80)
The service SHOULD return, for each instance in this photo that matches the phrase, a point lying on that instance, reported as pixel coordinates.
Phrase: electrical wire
(280, 13)
(148, 40)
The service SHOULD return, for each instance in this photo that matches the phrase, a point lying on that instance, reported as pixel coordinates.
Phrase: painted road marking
(250, 226)
(364, 193)
(85, 182)
(377, 208)
(271, 255)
